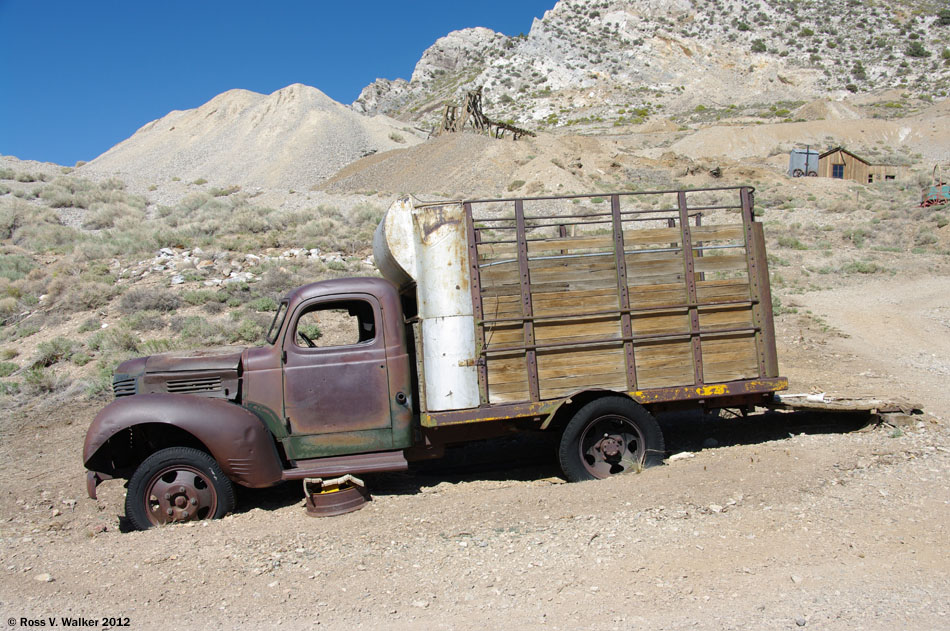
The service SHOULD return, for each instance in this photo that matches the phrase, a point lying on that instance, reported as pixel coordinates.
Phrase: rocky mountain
(614, 62)
(293, 138)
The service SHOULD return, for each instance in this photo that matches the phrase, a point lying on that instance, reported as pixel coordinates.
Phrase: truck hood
(214, 359)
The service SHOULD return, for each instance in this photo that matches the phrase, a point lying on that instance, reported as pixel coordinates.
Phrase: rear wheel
(609, 436)
(175, 485)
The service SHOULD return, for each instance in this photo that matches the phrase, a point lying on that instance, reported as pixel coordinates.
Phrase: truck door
(335, 377)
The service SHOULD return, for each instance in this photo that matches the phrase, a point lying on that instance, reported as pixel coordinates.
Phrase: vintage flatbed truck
(582, 315)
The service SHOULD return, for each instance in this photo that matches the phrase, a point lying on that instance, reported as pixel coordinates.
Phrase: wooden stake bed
(636, 292)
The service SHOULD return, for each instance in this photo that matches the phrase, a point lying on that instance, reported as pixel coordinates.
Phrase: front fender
(235, 437)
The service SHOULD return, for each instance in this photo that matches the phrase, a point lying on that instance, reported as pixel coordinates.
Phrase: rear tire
(610, 436)
(175, 485)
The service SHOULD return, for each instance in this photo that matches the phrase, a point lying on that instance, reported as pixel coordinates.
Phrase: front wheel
(175, 485)
(609, 436)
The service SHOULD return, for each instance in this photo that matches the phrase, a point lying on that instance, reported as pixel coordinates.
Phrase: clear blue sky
(78, 76)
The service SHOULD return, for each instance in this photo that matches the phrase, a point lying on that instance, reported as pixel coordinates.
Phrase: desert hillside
(289, 139)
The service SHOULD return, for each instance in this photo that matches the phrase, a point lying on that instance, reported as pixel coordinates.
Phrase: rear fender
(235, 437)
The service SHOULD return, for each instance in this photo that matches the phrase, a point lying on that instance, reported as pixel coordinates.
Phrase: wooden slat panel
(548, 332)
(577, 285)
(720, 263)
(721, 232)
(576, 301)
(649, 236)
(508, 397)
(722, 317)
(720, 290)
(500, 337)
(728, 359)
(562, 388)
(664, 365)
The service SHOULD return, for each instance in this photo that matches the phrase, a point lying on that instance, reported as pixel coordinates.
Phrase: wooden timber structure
(632, 295)
(841, 164)
(456, 118)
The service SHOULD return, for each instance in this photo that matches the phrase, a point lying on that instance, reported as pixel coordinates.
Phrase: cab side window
(340, 323)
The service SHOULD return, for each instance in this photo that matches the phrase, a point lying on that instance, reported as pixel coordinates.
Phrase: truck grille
(193, 385)
(123, 386)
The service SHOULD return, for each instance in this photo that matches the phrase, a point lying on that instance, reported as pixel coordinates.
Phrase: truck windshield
(277, 323)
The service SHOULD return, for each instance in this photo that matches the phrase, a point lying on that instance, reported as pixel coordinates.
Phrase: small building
(841, 164)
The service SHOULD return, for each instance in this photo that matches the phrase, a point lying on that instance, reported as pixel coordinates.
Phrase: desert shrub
(224, 192)
(925, 237)
(200, 181)
(54, 351)
(39, 380)
(114, 339)
(758, 46)
(106, 215)
(89, 324)
(26, 329)
(8, 306)
(7, 174)
(15, 266)
(263, 304)
(202, 330)
(143, 299)
(862, 267)
(515, 185)
(397, 137)
(787, 241)
(201, 296)
(145, 321)
(916, 49)
(247, 331)
(80, 358)
(83, 296)
(8, 368)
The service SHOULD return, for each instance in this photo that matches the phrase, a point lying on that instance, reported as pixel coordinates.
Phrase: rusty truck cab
(336, 370)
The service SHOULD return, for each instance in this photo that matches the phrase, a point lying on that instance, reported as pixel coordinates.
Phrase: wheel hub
(611, 446)
(179, 494)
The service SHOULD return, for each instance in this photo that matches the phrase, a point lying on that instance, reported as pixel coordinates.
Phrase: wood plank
(645, 236)
(724, 317)
(718, 232)
(720, 290)
(720, 263)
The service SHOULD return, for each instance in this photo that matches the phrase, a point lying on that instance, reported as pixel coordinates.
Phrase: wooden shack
(841, 164)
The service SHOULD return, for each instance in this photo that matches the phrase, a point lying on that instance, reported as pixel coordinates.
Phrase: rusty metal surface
(328, 503)
(626, 325)
(340, 465)
(179, 493)
(762, 309)
(531, 358)
(687, 244)
(474, 238)
(334, 389)
(543, 409)
(223, 359)
(234, 436)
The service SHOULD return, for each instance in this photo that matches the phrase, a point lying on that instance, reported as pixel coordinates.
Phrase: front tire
(610, 436)
(175, 485)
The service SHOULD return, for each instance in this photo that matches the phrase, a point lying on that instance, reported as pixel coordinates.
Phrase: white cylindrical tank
(426, 244)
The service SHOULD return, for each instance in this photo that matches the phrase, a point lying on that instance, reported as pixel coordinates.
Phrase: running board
(341, 465)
